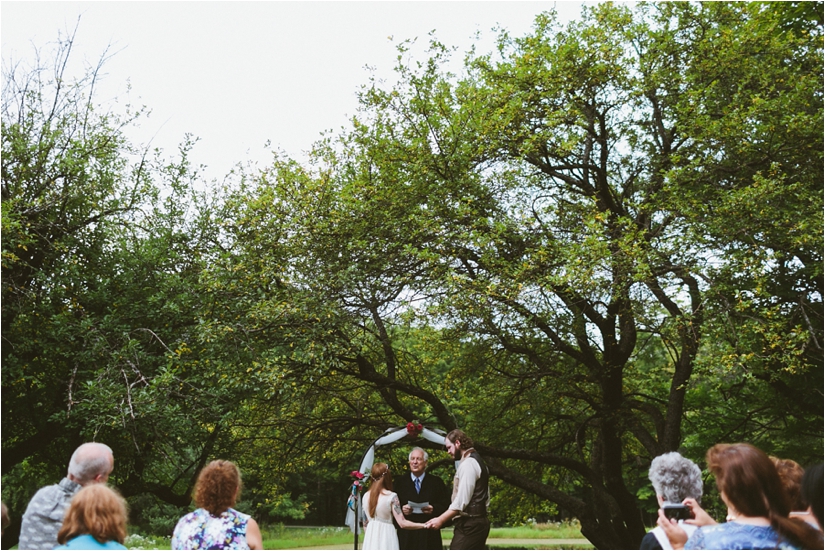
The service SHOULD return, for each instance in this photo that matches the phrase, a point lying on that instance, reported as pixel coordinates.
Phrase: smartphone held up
(677, 511)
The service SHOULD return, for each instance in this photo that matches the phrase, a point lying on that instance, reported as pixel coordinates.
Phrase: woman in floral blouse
(215, 524)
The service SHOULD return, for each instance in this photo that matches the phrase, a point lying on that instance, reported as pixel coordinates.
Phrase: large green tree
(599, 219)
(598, 243)
(102, 247)
(66, 178)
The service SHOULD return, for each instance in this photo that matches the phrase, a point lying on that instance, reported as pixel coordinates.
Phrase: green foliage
(599, 243)
(66, 177)
(150, 515)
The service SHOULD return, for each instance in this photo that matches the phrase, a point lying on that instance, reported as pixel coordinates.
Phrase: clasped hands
(433, 523)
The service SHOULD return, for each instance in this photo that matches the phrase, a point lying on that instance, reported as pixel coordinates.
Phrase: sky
(239, 75)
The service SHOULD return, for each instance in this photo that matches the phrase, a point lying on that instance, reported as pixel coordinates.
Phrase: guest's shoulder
(68, 486)
(192, 516)
(86, 541)
(650, 542)
(235, 514)
(52, 500)
(735, 535)
(47, 491)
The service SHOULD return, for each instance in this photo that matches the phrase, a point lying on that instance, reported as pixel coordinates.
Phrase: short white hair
(89, 460)
(675, 478)
(416, 449)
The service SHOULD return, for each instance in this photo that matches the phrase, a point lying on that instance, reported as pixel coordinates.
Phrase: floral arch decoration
(354, 508)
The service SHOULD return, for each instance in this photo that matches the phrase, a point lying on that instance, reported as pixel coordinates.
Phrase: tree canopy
(599, 243)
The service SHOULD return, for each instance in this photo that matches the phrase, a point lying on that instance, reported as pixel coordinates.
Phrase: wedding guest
(382, 506)
(812, 491)
(91, 463)
(471, 495)
(674, 480)
(215, 524)
(419, 486)
(791, 473)
(96, 519)
(757, 507)
(6, 520)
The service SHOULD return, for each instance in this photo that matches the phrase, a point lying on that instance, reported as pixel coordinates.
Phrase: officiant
(420, 487)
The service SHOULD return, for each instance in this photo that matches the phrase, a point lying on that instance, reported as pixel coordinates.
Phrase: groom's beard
(457, 455)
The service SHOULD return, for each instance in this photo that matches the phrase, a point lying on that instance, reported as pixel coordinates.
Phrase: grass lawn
(283, 537)
(275, 537)
(550, 530)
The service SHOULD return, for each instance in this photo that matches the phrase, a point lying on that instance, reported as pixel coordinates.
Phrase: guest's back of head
(748, 479)
(791, 473)
(218, 486)
(812, 490)
(96, 510)
(675, 478)
(91, 462)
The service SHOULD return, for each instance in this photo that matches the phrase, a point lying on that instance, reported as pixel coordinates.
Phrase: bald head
(92, 462)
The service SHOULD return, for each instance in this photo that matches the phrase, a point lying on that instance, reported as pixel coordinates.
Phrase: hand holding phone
(676, 511)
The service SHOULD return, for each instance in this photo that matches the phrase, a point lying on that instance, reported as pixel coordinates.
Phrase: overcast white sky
(237, 74)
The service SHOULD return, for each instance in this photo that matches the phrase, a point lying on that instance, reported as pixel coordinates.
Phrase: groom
(471, 495)
(420, 487)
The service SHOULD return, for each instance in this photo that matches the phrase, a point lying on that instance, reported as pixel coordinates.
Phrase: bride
(381, 506)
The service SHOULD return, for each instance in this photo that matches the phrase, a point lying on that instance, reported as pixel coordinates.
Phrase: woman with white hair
(674, 479)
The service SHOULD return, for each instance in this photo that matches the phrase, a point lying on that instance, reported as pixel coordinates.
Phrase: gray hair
(90, 460)
(675, 478)
(426, 455)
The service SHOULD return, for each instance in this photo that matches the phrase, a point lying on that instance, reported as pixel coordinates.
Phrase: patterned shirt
(733, 535)
(200, 530)
(44, 515)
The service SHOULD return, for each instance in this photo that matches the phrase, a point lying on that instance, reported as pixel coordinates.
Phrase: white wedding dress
(380, 532)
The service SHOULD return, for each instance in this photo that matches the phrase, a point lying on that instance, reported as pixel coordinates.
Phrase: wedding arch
(361, 476)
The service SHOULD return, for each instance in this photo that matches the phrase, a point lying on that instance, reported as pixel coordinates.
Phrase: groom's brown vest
(477, 507)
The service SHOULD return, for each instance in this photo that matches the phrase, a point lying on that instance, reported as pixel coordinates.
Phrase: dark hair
(812, 490)
(380, 480)
(217, 486)
(750, 482)
(456, 434)
(791, 473)
(96, 510)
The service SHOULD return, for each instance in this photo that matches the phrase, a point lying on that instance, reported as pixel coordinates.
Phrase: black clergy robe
(433, 491)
